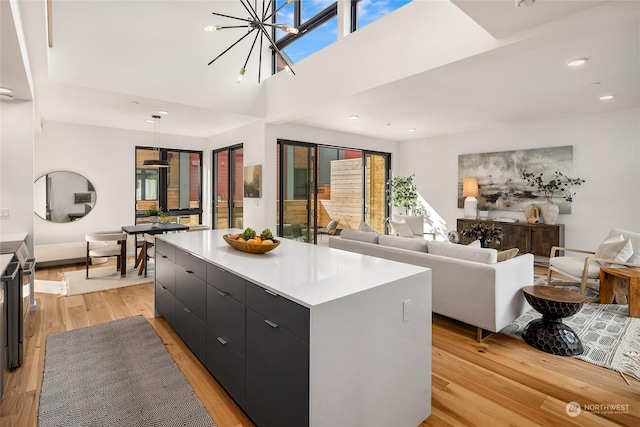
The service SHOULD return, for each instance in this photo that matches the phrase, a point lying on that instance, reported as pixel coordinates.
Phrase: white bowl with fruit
(249, 241)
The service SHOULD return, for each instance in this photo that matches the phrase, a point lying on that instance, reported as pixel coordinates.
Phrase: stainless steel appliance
(13, 319)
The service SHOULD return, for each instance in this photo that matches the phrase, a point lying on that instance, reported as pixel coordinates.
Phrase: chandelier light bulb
(212, 28)
(290, 30)
(241, 75)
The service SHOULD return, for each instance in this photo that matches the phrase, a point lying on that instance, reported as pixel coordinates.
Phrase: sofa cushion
(416, 223)
(469, 253)
(413, 244)
(615, 248)
(365, 227)
(361, 236)
(507, 254)
(401, 228)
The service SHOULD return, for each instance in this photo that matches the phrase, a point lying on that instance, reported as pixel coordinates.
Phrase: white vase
(483, 214)
(153, 220)
(549, 212)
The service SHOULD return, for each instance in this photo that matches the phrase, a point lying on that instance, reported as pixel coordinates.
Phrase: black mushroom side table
(549, 334)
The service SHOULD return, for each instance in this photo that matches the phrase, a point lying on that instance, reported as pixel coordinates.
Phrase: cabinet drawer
(192, 263)
(192, 331)
(226, 282)
(227, 317)
(163, 248)
(192, 292)
(166, 273)
(227, 366)
(165, 304)
(277, 370)
(283, 312)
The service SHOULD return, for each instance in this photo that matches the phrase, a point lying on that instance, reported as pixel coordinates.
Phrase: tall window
(317, 24)
(177, 190)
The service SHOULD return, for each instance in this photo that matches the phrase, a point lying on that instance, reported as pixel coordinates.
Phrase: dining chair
(148, 251)
(106, 244)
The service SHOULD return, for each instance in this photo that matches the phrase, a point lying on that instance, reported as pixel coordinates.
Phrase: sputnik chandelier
(259, 23)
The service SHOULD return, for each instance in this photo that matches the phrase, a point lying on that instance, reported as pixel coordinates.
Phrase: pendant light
(153, 163)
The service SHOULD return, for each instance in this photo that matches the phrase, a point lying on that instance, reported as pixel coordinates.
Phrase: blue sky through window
(322, 36)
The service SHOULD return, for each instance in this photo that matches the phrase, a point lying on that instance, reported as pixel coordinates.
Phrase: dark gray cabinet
(192, 330)
(277, 374)
(253, 341)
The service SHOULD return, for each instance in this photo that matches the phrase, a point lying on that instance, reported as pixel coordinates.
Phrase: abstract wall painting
(499, 181)
(253, 181)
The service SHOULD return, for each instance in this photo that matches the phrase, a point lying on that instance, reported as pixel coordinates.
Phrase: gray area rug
(115, 374)
(610, 337)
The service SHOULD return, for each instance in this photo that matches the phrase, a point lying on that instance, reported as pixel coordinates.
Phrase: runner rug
(115, 374)
(610, 337)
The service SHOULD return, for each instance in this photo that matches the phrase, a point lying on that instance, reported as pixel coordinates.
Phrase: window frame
(163, 184)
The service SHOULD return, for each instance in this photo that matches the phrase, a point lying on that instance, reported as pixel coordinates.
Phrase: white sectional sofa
(469, 284)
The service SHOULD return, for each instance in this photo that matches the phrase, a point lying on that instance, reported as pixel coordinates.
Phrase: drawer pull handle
(187, 310)
(270, 323)
(189, 272)
(164, 256)
(163, 287)
(222, 294)
(222, 341)
(273, 294)
(222, 269)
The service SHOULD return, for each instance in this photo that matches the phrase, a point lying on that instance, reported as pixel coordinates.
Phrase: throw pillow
(401, 228)
(416, 223)
(635, 259)
(507, 254)
(475, 244)
(614, 248)
(365, 227)
(419, 245)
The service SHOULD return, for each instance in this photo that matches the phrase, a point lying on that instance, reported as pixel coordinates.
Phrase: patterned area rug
(115, 374)
(610, 337)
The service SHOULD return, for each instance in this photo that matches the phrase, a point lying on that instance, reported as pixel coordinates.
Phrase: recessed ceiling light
(606, 97)
(163, 112)
(6, 97)
(150, 121)
(524, 3)
(577, 62)
(135, 102)
(354, 117)
(5, 90)
(596, 83)
(412, 130)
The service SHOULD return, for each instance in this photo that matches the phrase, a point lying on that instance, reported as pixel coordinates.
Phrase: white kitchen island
(351, 333)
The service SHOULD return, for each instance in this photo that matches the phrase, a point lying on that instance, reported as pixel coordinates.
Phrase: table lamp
(470, 191)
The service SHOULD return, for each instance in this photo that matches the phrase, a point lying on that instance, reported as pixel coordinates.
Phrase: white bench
(60, 253)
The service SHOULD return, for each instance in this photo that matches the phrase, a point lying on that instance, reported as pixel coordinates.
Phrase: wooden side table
(621, 278)
(549, 334)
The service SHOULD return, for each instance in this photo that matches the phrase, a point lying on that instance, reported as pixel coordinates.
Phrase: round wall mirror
(63, 196)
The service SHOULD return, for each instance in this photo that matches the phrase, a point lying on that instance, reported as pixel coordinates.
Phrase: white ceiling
(114, 63)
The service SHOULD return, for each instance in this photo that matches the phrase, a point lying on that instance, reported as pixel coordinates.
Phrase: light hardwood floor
(499, 382)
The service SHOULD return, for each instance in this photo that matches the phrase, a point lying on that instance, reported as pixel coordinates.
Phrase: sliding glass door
(297, 191)
(227, 187)
(319, 186)
(376, 175)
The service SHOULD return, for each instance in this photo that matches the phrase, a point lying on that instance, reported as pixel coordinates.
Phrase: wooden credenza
(537, 239)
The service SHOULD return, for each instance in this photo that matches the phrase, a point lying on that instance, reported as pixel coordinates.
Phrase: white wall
(260, 143)
(106, 157)
(606, 153)
(16, 168)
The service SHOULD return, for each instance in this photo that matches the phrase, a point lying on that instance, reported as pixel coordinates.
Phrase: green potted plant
(486, 233)
(403, 193)
(483, 211)
(559, 183)
(154, 212)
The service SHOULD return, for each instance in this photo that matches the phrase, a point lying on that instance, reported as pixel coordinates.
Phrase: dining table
(160, 228)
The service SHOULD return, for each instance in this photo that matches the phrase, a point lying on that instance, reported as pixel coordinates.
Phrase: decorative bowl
(250, 248)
